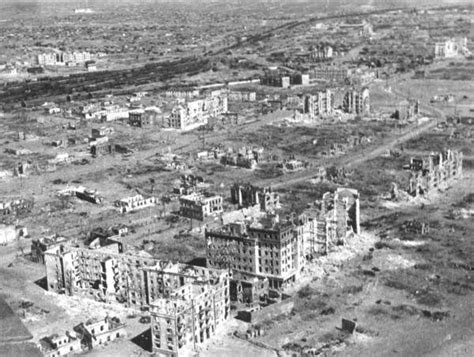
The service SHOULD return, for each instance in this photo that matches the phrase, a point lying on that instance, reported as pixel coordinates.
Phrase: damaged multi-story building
(319, 104)
(267, 248)
(247, 195)
(357, 101)
(187, 303)
(331, 74)
(245, 157)
(200, 205)
(106, 275)
(407, 109)
(437, 171)
(195, 113)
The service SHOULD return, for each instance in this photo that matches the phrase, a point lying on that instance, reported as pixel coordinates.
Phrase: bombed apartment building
(198, 303)
(269, 249)
(143, 118)
(437, 171)
(357, 101)
(105, 275)
(200, 206)
(247, 195)
(319, 104)
(266, 248)
(12, 207)
(195, 113)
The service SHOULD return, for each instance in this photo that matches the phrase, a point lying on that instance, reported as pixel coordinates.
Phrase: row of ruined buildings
(245, 258)
(436, 171)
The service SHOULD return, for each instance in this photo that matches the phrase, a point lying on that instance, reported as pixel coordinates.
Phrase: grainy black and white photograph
(236, 178)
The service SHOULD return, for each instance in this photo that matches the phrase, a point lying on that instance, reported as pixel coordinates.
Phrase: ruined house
(248, 195)
(437, 171)
(199, 206)
(357, 101)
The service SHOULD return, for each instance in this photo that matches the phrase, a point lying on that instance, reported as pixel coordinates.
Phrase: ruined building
(192, 313)
(245, 157)
(134, 203)
(340, 215)
(437, 171)
(357, 101)
(407, 109)
(331, 74)
(451, 48)
(265, 249)
(277, 251)
(144, 117)
(60, 345)
(319, 104)
(199, 206)
(195, 113)
(105, 275)
(12, 207)
(322, 52)
(95, 332)
(248, 195)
